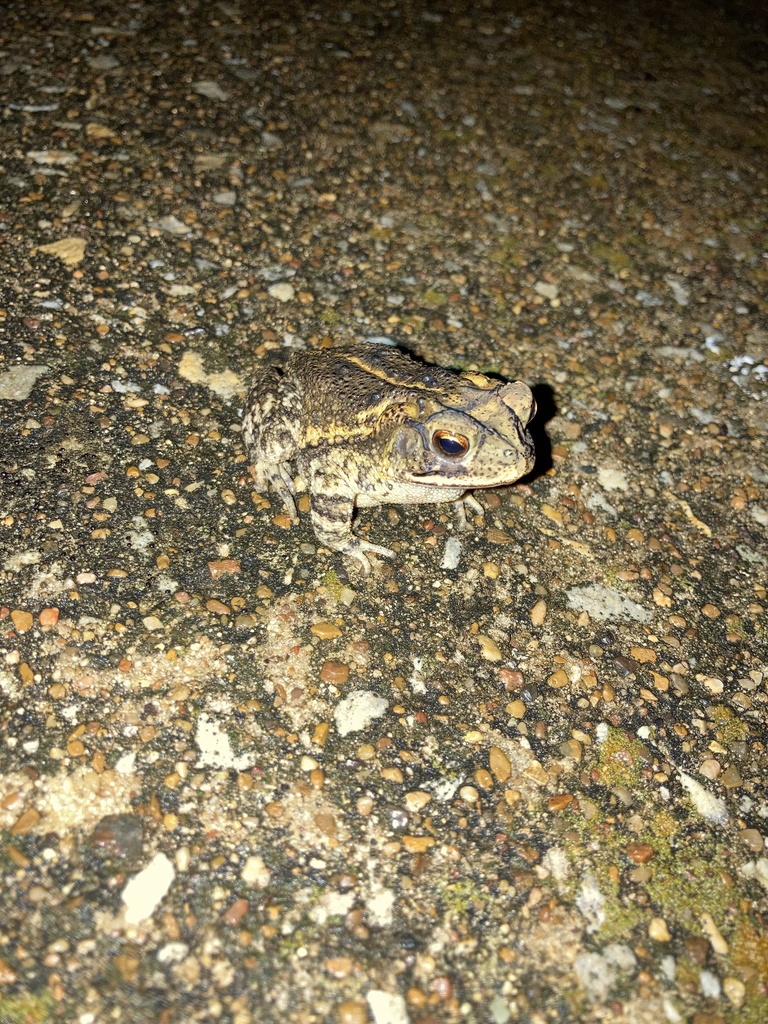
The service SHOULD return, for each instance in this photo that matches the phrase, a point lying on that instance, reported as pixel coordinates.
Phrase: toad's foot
(358, 549)
(461, 504)
(332, 522)
(278, 476)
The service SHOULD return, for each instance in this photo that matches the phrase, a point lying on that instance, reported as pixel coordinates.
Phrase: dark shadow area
(546, 410)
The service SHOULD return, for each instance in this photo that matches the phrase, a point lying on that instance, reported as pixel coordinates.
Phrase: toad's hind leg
(270, 432)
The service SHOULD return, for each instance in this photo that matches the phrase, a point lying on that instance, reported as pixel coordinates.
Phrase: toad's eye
(453, 445)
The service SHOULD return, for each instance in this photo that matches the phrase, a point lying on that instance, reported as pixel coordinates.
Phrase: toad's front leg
(332, 522)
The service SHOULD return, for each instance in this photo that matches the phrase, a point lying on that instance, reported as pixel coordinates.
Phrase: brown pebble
(334, 672)
(496, 536)
(753, 839)
(235, 913)
(325, 630)
(731, 778)
(489, 649)
(417, 799)
(418, 844)
(499, 763)
(710, 768)
(442, 987)
(223, 567)
(697, 949)
(49, 616)
(217, 607)
(558, 679)
(416, 997)
(326, 822)
(558, 803)
(7, 974)
(539, 613)
(643, 654)
(26, 821)
(22, 621)
(483, 778)
(353, 1011)
(711, 611)
(640, 853)
(658, 930)
(735, 991)
(320, 734)
(339, 966)
(626, 666)
(512, 678)
(571, 748)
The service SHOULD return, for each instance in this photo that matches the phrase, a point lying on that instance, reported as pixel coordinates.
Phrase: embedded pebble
(499, 763)
(658, 930)
(489, 649)
(353, 1011)
(604, 603)
(325, 630)
(387, 1007)
(358, 710)
(16, 383)
(255, 872)
(22, 620)
(282, 291)
(451, 553)
(120, 835)
(735, 991)
(144, 892)
(539, 613)
(336, 672)
(753, 839)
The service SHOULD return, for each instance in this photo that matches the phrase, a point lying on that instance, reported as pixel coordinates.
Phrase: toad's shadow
(546, 409)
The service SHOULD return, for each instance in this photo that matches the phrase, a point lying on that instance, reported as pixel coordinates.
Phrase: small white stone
(358, 710)
(255, 872)
(603, 603)
(282, 291)
(613, 479)
(144, 891)
(387, 1007)
(211, 90)
(709, 984)
(173, 226)
(172, 952)
(126, 764)
(52, 157)
(215, 747)
(547, 290)
(708, 805)
(451, 553)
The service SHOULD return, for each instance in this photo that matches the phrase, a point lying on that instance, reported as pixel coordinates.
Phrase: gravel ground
(516, 774)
